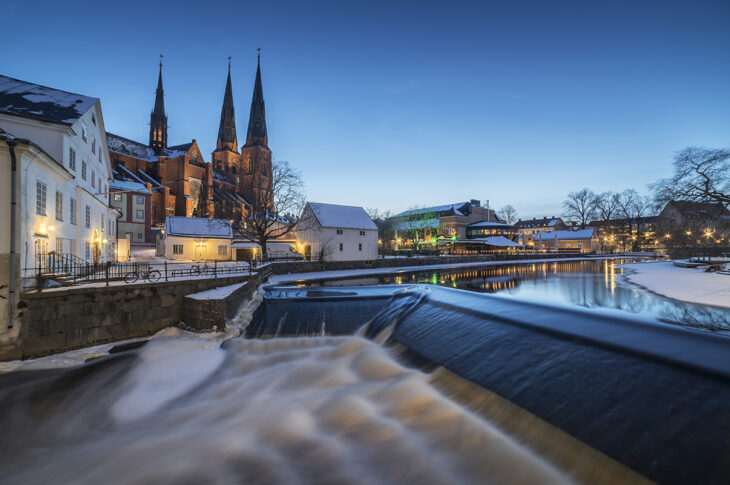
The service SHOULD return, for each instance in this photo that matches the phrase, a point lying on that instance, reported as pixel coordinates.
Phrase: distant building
(57, 142)
(446, 221)
(527, 229)
(331, 232)
(133, 200)
(683, 212)
(583, 240)
(197, 239)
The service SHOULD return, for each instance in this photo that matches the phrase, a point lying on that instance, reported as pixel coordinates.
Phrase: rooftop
(342, 216)
(198, 227)
(30, 100)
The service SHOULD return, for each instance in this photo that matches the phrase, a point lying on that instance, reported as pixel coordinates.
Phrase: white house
(57, 140)
(583, 240)
(332, 232)
(197, 238)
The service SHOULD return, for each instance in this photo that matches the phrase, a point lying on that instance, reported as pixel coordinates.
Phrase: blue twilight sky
(392, 104)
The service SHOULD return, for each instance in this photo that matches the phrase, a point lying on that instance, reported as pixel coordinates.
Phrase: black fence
(67, 270)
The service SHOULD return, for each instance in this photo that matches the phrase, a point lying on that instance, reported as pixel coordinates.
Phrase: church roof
(227, 127)
(256, 134)
(21, 98)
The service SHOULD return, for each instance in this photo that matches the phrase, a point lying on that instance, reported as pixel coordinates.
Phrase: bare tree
(700, 175)
(276, 208)
(580, 206)
(418, 221)
(385, 222)
(607, 206)
(509, 214)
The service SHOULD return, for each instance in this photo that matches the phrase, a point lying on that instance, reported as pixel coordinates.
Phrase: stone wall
(69, 318)
(205, 313)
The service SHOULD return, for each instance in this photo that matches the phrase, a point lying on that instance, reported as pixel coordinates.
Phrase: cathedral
(181, 183)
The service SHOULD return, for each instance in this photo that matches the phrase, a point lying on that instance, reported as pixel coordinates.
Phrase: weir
(653, 397)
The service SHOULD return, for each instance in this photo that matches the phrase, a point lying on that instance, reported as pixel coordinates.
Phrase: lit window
(117, 197)
(59, 206)
(40, 198)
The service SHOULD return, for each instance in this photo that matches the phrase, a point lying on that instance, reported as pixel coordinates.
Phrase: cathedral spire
(257, 119)
(158, 119)
(227, 129)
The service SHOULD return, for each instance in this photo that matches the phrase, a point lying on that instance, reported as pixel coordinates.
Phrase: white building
(62, 174)
(332, 232)
(583, 240)
(197, 238)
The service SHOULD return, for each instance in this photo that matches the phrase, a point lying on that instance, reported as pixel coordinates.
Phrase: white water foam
(287, 410)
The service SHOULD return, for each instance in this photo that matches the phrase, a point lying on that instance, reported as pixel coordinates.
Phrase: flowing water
(590, 284)
(187, 409)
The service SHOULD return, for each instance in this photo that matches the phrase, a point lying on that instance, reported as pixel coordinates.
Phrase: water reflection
(589, 284)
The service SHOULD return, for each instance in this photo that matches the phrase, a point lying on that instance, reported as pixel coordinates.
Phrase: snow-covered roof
(565, 235)
(128, 186)
(499, 241)
(30, 100)
(544, 222)
(198, 227)
(420, 224)
(500, 225)
(342, 216)
(125, 146)
(440, 210)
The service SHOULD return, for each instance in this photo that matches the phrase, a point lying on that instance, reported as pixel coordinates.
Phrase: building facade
(583, 240)
(330, 232)
(133, 201)
(197, 239)
(64, 173)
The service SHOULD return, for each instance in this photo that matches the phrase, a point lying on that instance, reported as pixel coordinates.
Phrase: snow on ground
(691, 285)
(317, 275)
(217, 293)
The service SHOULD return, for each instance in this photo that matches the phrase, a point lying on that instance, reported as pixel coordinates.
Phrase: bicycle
(148, 274)
(196, 270)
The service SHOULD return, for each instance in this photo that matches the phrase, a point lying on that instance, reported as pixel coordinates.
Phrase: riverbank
(279, 279)
(690, 285)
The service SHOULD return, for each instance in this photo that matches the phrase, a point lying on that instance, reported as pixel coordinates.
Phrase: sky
(399, 104)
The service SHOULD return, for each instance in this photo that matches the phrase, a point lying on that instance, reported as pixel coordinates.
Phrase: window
(99, 184)
(59, 206)
(339, 231)
(59, 245)
(93, 144)
(362, 233)
(140, 214)
(102, 223)
(359, 246)
(140, 199)
(139, 235)
(72, 159)
(93, 119)
(222, 250)
(72, 211)
(117, 197)
(88, 216)
(341, 247)
(88, 249)
(177, 249)
(83, 169)
(100, 154)
(40, 198)
(93, 179)
(83, 133)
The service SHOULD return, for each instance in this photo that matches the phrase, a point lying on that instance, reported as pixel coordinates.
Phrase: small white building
(583, 240)
(331, 232)
(57, 144)
(197, 238)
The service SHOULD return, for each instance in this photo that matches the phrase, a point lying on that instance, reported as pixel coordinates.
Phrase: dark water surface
(595, 284)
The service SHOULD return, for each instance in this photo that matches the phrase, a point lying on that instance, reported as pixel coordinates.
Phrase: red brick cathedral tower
(255, 154)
